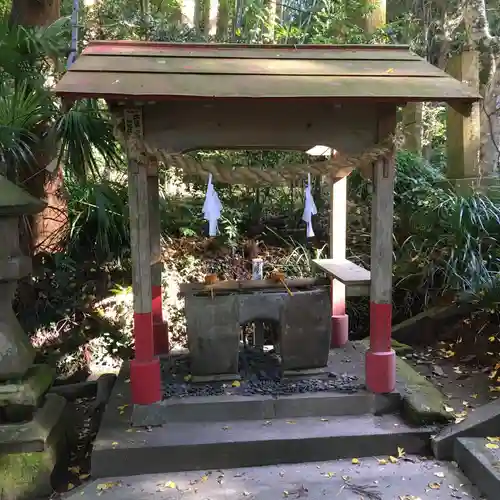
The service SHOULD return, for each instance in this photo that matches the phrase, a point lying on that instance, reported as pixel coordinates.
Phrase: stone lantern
(30, 419)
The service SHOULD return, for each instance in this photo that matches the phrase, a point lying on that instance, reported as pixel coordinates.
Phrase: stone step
(480, 464)
(123, 451)
(410, 478)
(218, 408)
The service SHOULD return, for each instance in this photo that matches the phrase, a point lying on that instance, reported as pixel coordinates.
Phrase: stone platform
(234, 430)
(411, 478)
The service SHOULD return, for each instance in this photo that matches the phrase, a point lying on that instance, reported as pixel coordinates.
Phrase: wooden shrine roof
(153, 71)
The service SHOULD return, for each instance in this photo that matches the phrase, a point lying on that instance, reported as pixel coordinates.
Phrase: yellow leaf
(493, 374)
(330, 474)
(285, 493)
(70, 486)
(106, 486)
(114, 443)
(492, 338)
(187, 378)
(449, 409)
(494, 388)
(83, 477)
(382, 461)
(291, 422)
(493, 439)
(390, 70)
(236, 383)
(204, 478)
(393, 460)
(74, 470)
(171, 484)
(434, 486)
(492, 446)
(355, 461)
(474, 396)
(401, 452)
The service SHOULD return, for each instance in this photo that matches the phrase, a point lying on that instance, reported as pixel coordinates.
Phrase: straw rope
(337, 166)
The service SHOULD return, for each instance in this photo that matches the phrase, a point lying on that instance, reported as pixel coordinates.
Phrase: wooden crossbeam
(345, 271)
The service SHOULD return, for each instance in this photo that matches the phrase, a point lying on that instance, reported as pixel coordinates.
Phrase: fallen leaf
(434, 486)
(439, 474)
(115, 443)
(74, 470)
(236, 383)
(330, 474)
(355, 461)
(204, 478)
(390, 70)
(492, 338)
(285, 493)
(324, 420)
(291, 422)
(226, 428)
(492, 446)
(107, 486)
(474, 396)
(83, 477)
(382, 461)
(493, 439)
(393, 460)
(449, 409)
(70, 486)
(187, 378)
(267, 422)
(401, 452)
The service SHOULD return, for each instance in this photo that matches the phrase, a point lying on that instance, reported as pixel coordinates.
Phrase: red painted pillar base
(160, 337)
(340, 330)
(145, 381)
(380, 358)
(381, 371)
(160, 327)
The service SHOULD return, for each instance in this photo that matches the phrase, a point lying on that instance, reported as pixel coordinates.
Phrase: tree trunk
(47, 228)
(222, 29)
(480, 37)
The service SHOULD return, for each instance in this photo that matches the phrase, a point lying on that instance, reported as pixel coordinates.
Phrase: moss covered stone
(25, 476)
(423, 402)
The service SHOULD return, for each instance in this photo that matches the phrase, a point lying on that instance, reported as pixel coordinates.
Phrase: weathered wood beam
(338, 235)
(145, 367)
(380, 358)
(160, 332)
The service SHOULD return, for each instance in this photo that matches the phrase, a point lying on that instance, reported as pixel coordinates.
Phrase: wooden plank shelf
(345, 271)
(268, 286)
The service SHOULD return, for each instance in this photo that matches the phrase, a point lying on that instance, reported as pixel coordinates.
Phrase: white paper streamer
(309, 208)
(212, 208)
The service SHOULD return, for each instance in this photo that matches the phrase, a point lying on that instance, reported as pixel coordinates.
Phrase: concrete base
(30, 452)
(311, 372)
(244, 443)
(480, 464)
(484, 421)
(309, 481)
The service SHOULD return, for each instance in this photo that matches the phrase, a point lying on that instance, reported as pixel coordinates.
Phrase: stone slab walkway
(411, 478)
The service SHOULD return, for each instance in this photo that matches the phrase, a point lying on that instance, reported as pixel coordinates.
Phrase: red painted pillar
(160, 330)
(145, 372)
(381, 358)
(338, 228)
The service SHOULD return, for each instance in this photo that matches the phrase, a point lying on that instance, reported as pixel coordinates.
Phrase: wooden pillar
(463, 132)
(160, 329)
(145, 373)
(412, 127)
(381, 358)
(338, 228)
